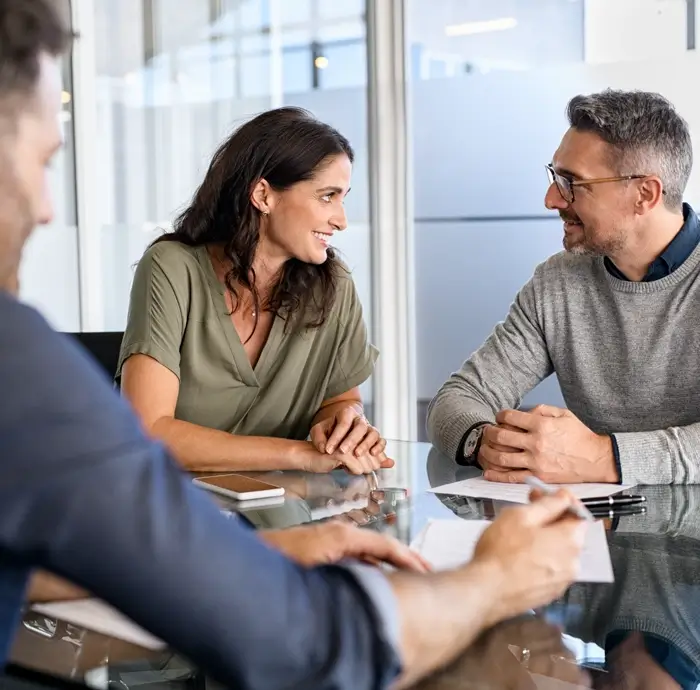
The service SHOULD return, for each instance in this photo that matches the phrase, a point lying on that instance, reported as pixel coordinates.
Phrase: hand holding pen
(599, 507)
(577, 509)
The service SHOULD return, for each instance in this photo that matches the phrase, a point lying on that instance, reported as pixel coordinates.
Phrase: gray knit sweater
(627, 356)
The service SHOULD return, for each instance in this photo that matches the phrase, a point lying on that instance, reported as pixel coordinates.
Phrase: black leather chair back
(104, 347)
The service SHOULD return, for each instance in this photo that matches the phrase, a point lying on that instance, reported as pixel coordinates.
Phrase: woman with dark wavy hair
(245, 333)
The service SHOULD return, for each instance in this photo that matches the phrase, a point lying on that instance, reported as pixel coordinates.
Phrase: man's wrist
(609, 472)
(489, 579)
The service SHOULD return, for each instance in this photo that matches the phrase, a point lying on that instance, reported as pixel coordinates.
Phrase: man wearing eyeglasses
(616, 317)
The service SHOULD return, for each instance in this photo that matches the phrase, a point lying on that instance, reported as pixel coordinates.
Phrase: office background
(155, 85)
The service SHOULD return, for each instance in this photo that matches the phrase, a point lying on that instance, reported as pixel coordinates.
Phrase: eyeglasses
(566, 185)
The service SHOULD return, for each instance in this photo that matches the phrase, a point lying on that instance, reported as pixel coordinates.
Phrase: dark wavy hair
(283, 146)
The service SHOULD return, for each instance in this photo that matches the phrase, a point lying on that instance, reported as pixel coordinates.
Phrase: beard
(582, 240)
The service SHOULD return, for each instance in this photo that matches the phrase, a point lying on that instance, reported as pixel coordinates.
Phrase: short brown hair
(28, 28)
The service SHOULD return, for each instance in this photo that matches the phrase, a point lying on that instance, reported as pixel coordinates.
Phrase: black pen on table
(613, 513)
(610, 501)
(618, 509)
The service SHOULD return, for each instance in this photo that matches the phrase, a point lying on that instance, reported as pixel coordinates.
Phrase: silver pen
(578, 509)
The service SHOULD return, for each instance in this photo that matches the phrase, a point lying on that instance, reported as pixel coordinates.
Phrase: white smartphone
(239, 487)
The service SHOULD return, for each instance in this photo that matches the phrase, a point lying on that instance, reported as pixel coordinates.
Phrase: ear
(262, 197)
(651, 194)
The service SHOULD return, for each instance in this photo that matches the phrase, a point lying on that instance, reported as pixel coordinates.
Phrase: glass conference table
(649, 619)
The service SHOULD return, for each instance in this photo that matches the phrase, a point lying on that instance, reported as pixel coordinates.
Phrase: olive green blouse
(178, 316)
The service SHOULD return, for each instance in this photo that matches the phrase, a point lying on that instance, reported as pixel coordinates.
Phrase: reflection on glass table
(644, 629)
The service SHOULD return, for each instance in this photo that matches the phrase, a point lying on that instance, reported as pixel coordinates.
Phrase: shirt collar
(680, 248)
(683, 244)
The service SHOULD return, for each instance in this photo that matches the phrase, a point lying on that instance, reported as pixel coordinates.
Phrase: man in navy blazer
(86, 495)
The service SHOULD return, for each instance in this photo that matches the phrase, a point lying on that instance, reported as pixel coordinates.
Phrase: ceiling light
(65, 97)
(321, 62)
(471, 28)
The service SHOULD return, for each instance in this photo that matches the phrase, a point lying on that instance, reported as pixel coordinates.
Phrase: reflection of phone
(239, 487)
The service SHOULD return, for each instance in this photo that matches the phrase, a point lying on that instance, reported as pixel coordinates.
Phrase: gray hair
(646, 134)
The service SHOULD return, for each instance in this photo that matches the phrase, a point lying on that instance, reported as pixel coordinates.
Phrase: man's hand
(348, 432)
(488, 441)
(331, 542)
(532, 552)
(549, 442)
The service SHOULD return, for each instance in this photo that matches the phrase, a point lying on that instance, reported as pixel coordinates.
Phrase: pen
(613, 501)
(619, 512)
(580, 511)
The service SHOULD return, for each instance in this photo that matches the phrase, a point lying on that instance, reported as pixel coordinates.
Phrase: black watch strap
(471, 460)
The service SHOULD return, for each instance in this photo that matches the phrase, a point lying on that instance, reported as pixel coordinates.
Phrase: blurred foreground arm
(87, 496)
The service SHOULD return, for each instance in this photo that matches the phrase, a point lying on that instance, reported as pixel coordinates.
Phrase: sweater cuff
(447, 431)
(640, 454)
(616, 455)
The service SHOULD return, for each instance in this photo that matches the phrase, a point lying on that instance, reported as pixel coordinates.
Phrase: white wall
(630, 30)
(527, 44)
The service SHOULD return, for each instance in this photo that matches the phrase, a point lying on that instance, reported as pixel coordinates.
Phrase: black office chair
(104, 348)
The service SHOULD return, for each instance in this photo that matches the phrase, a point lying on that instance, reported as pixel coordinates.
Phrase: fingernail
(323, 448)
(330, 449)
(343, 449)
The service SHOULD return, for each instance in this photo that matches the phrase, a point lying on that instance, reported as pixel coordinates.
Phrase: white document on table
(478, 487)
(94, 614)
(447, 544)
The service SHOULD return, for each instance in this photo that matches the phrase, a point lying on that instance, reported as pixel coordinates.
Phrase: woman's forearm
(199, 449)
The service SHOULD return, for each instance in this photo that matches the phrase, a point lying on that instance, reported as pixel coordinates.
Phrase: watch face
(472, 442)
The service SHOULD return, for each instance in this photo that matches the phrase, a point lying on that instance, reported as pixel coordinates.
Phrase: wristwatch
(472, 443)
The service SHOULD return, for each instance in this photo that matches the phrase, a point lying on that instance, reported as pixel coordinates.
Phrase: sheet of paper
(519, 493)
(94, 614)
(447, 544)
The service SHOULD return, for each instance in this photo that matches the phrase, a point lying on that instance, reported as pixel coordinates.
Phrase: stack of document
(447, 544)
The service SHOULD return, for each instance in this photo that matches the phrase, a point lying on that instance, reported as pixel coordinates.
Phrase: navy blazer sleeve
(85, 494)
